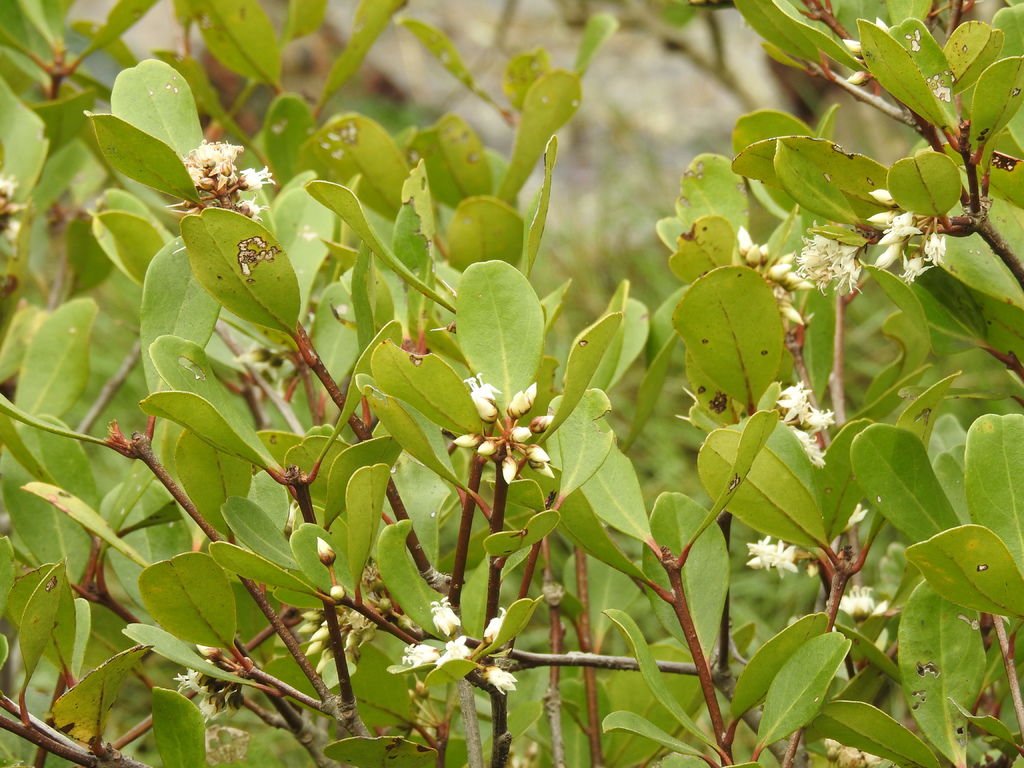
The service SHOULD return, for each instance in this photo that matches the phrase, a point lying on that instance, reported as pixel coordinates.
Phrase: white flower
(483, 398)
(858, 78)
(494, 627)
(901, 228)
(913, 268)
(250, 178)
(853, 46)
(500, 679)
(212, 160)
(744, 241)
(810, 446)
(883, 197)
(522, 401)
(208, 709)
(420, 655)
(817, 420)
(455, 649)
(796, 402)
(766, 555)
(889, 255)
(509, 469)
(445, 619)
(13, 230)
(882, 220)
(823, 261)
(858, 515)
(934, 248)
(189, 681)
(859, 604)
(8, 186)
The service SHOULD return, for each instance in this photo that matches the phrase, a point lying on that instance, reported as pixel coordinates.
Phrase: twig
(496, 563)
(866, 97)
(956, 14)
(501, 739)
(1011, 670)
(111, 388)
(530, 660)
(476, 469)
(556, 634)
(585, 639)
(836, 380)
(471, 726)
(794, 743)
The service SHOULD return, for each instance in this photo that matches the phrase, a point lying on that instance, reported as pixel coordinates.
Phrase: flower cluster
(219, 182)
(805, 421)
(509, 445)
(778, 272)
(214, 696)
(898, 228)
(447, 623)
(859, 604)
(849, 757)
(766, 555)
(824, 261)
(9, 226)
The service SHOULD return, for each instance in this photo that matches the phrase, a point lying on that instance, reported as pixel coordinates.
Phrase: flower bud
(744, 241)
(337, 592)
(790, 313)
(541, 423)
(509, 469)
(321, 634)
(883, 219)
(325, 552)
(522, 401)
(536, 454)
(778, 272)
(542, 468)
(853, 46)
(208, 651)
(487, 448)
(315, 647)
(882, 196)
(468, 441)
(521, 434)
(858, 78)
(890, 255)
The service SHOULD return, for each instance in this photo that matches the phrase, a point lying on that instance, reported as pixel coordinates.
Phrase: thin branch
(865, 97)
(586, 643)
(476, 469)
(530, 660)
(556, 633)
(837, 380)
(471, 725)
(111, 388)
(1011, 670)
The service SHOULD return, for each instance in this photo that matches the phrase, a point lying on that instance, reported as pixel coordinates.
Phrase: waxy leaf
(539, 209)
(251, 565)
(255, 529)
(536, 528)
(798, 691)
(927, 183)
(180, 730)
(381, 752)
(242, 266)
(364, 500)
(444, 50)
(41, 615)
(401, 577)
(143, 158)
(615, 496)
(82, 711)
(860, 725)
(240, 35)
(55, 370)
(942, 662)
(500, 326)
(995, 487)
(582, 444)
(191, 598)
(371, 17)
(730, 323)
(181, 653)
(484, 228)
(997, 98)
(210, 476)
(154, 98)
(630, 722)
(969, 50)
(970, 566)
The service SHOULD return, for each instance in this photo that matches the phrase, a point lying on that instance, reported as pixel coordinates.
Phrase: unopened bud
(536, 453)
(321, 634)
(468, 441)
(325, 552)
(790, 313)
(743, 241)
(521, 434)
(208, 651)
(858, 78)
(882, 196)
(541, 423)
(853, 46)
(522, 402)
(487, 448)
(778, 272)
(315, 647)
(509, 469)
(337, 592)
(883, 219)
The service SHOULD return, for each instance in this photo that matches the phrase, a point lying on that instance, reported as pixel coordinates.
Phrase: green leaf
(615, 496)
(584, 528)
(970, 566)
(428, 384)
(778, 497)
(87, 517)
(242, 266)
(371, 17)
(927, 183)
(997, 98)
(585, 355)
(516, 618)
(381, 752)
(969, 50)
(548, 105)
(401, 577)
(129, 241)
(143, 158)
(798, 691)
(582, 444)
(919, 417)
(652, 675)
(443, 49)
(709, 187)
(255, 529)
(709, 243)
(522, 71)
(379, 450)
(893, 470)
(756, 678)
(209, 476)
(82, 711)
(255, 566)
(899, 74)
(124, 15)
(20, 127)
(730, 323)
(630, 722)
(484, 228)
(779, 23)
(286, 128)
(154, 98)
(200, 416)
(38, 621)
(539, 209)
(55, 370)
(456, 160)
(536, 528)
(304, 18)
(180, 730)
(343, 202)
(364, 500)
(990, 725)
(501, 326)
(840, 493)
(181, 653)
(191, 598)
(995, 450)
(858, 724)
(600, 27)
(942, 663)
(239, 34)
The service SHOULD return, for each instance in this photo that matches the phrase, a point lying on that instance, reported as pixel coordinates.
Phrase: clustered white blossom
(219, 182)
(765, 555)
(859, 604)
(9, 226)
(898, 228)
(849, 757)
(212, 695)
(508, 446)
(447, 623)
(778, 272)
(824, 261)
(804, 420)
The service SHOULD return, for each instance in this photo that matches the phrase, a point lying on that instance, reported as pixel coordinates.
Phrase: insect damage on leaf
(252, 251)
